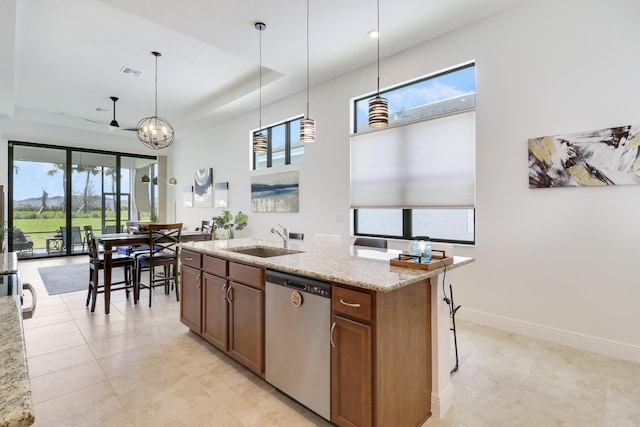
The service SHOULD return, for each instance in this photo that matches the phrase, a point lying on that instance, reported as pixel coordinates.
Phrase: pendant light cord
(260, 95)
(307, 58)
(378, 28)
(156, 54)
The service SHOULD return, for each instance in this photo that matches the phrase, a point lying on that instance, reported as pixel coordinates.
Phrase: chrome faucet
(283, 232)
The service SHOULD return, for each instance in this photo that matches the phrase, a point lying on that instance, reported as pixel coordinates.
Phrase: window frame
(268, 131)
(407, 226)
(417, 81)
(407, 213)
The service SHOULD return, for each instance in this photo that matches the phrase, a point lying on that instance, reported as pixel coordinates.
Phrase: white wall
(556, 263)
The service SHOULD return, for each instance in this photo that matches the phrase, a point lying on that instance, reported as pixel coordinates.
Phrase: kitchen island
(16, 406)
(390, 323)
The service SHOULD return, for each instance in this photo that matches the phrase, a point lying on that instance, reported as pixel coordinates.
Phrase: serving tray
(438, 260)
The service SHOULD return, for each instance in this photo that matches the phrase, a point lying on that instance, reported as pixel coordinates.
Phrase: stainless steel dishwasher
(297, 347)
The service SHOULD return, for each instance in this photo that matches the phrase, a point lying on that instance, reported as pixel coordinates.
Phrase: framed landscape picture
(276, 192)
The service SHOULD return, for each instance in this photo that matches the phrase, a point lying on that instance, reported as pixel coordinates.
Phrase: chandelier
(155, 132)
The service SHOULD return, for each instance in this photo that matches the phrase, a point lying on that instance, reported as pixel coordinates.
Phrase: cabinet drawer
(351, 303)
(253, 276)
(214, 266)
(191, 259)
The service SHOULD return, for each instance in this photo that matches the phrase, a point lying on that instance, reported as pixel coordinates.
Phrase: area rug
(71, 278)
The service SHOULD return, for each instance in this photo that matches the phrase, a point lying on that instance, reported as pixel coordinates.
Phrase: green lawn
(39, 226)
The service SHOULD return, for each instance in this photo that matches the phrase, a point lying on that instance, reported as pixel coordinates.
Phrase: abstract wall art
(203, 188)
(222, 194)
(187, 196)
(278, 192)
(603, 157)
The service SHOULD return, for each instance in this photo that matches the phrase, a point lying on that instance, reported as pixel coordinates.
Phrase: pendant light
(307, 125)
(378, 106)
(155, 132)
(260, 140)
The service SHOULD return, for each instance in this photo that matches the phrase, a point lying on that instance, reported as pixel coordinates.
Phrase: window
(52, 188)
(417, 177)
(443, 93)
(284, 145)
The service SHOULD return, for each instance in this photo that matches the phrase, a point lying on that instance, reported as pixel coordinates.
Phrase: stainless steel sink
(264, 251)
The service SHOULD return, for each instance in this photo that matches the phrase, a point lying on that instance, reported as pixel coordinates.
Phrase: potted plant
(231, 223)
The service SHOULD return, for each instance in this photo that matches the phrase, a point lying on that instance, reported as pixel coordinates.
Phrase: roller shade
(420, 165)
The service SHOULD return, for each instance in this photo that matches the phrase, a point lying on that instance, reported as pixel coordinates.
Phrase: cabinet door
(246, 326)
(190, 301)
(351, 373)
(215, 322)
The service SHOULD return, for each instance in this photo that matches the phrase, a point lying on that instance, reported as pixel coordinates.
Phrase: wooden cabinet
(380, 356)
(215, 311)
(226, 307)
(246, 326)
(191, 295)
(351, 371)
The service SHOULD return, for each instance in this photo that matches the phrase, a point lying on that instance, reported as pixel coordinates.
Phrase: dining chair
(207, 226)
(296, 236)
(131, 226)
(162, 252)
(327, 240)
(96, 263)
(370, 242)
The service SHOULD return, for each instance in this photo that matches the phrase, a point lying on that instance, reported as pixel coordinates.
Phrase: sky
(31, 178)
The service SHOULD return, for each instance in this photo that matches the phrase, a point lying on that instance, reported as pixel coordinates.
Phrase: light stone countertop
(16, 407)
(358, 266)
(8, 263)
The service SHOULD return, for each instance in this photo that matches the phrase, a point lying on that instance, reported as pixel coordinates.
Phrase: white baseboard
(440, 404)
(571, 339)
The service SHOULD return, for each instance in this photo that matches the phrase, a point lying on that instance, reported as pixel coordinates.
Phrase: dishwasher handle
(295, 285)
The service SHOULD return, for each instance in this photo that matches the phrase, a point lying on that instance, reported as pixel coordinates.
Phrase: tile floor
(140, 366)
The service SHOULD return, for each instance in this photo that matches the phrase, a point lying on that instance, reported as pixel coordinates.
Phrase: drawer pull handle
(188, 258)
(349, 304)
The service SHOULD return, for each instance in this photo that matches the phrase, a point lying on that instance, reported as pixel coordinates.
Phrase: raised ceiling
(61, 60)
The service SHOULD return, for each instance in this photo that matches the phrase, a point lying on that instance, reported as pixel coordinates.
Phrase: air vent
(127, 70)
(102, 110)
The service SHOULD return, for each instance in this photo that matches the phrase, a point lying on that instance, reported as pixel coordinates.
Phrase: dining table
(112, 241)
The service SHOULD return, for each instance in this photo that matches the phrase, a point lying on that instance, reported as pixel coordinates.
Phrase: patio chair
(21, 243)
(112, 229)
(76, 238)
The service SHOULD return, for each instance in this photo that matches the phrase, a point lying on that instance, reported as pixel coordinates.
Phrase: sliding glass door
(37, 201)
(55, 191)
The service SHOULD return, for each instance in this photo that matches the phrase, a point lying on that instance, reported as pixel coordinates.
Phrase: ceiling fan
(114, 123)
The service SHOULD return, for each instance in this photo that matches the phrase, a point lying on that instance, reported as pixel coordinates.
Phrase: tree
(86, 192)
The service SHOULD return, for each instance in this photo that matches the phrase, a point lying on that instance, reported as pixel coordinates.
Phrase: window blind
(422, 164)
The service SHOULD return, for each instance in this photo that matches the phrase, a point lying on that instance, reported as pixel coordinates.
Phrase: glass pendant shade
(307, 130)
(155, 132)
(378, 112)
(260, 143)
